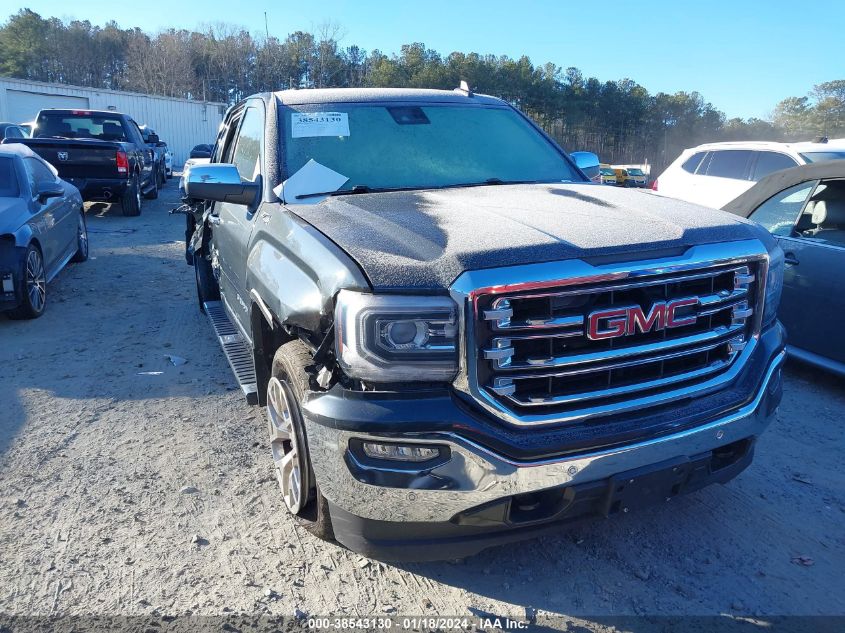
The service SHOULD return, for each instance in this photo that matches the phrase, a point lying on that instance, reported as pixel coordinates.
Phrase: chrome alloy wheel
(286, 444)
(138, 192)
(36, 283)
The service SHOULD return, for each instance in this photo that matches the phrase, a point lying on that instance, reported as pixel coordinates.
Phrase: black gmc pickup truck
(101, 153)
(459, 340)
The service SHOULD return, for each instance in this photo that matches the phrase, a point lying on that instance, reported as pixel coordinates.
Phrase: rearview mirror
(46, 190)
(220, 182)
(588, 163)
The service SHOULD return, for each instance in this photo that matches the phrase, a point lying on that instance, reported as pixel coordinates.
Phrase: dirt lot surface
(125, 492)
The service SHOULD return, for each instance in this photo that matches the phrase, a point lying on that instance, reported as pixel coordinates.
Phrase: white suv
(716, 173)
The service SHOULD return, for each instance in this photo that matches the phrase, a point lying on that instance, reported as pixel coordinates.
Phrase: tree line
(619, 120)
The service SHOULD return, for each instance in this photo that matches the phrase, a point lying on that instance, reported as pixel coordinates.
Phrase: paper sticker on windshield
(305, 124)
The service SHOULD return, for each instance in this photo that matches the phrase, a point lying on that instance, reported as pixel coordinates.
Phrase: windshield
(635, 172)
(606, 171)
(817, 157)
(69, 125)
(387, 146)
(8, 178)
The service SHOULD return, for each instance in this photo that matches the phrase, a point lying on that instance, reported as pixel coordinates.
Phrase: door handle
(214, 220)
(789, 259)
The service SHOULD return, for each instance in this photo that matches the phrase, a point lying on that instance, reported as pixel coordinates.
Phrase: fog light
(398, 452)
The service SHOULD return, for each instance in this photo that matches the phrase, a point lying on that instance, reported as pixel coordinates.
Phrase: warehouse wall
(179, 122)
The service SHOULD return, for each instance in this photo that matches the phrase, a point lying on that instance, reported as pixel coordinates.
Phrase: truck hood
(425, 239)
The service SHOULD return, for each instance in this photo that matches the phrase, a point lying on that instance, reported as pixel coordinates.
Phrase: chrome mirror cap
(588, 163)
(220, 182)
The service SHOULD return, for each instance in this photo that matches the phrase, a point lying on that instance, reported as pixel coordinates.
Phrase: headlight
(396, 338)
(774, 286)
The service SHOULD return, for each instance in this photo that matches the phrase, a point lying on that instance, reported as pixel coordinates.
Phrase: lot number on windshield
(305, 124)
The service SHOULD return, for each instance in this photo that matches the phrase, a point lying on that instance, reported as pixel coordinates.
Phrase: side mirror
(220, 182)
(588, 163)
(46, 190)
(152, 139)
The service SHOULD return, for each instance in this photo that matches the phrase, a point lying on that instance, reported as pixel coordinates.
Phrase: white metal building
(181, 123)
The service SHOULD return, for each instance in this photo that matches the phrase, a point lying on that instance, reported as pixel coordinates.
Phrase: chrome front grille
(598, 344)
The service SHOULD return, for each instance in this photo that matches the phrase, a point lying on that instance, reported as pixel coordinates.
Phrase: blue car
(42, 228)
(804, 208)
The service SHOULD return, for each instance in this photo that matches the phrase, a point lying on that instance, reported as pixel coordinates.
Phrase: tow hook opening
(536, 506)
(729, 454)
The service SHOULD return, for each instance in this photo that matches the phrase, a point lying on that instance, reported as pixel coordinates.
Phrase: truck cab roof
(370, 95)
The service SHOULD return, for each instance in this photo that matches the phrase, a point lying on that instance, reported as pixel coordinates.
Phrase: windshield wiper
(355, 190)
(367, 189)
(493, 181)
(499, 181)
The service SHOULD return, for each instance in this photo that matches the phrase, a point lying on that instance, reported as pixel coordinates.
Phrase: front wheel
(207, 288)
(286, 390)
(81, 239)
(34, 279)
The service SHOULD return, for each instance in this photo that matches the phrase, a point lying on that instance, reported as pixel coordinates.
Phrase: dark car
(102, 153)
(42, 228)
(804, 208)
(201, 151)
(12, 131)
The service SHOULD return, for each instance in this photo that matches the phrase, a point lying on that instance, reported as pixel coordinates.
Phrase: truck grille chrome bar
(575, 348)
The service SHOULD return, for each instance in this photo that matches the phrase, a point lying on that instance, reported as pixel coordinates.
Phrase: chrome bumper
(478, 475)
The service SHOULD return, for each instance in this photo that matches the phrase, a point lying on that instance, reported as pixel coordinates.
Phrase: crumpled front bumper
(475, 475)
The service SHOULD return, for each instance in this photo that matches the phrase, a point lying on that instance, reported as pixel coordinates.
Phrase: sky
(743, 56)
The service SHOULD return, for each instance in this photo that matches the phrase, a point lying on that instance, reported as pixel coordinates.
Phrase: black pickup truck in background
(101, 153)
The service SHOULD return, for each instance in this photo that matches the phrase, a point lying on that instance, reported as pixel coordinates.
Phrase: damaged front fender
(297, 271)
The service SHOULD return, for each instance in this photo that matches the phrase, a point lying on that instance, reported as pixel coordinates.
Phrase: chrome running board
(235, 348)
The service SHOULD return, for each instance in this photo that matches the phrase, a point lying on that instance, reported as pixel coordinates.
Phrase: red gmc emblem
(626, 321)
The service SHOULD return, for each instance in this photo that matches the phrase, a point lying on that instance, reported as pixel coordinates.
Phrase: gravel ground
(129, 493)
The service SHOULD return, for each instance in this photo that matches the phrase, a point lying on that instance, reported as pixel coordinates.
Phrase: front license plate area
(645, 486)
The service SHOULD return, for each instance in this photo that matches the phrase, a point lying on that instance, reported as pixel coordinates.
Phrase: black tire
(162, 176)
(152, 194)
(292, 365)
(207, 288)
(131, 201)
(33, 303)
(81, 239)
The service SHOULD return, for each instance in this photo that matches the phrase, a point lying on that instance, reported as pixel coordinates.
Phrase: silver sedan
(42, 228)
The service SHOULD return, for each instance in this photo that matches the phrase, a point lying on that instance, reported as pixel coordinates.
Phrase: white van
(716, 173)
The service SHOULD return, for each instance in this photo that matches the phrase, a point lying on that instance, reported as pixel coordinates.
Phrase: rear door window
(729, 163)
(223, 150)
(770, 162)
(692, 163)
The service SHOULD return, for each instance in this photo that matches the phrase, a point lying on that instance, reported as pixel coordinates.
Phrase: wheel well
(266, 339)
